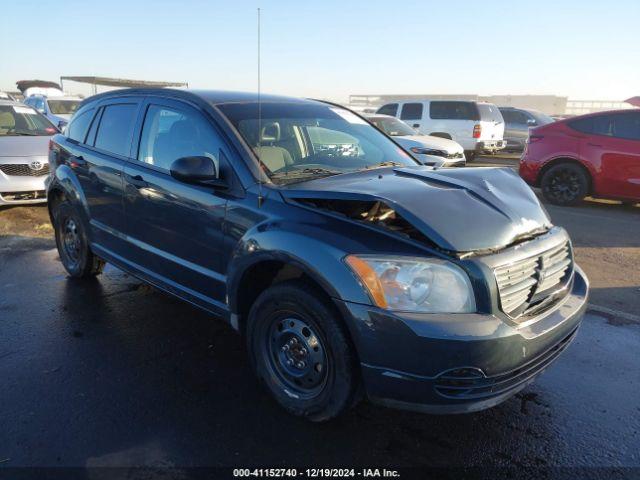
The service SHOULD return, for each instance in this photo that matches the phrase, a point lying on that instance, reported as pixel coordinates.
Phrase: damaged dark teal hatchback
(350, 270)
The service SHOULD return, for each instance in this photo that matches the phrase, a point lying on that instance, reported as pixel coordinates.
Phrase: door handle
(416, 125)
(77, 161)
(137, 181)
(594, 144)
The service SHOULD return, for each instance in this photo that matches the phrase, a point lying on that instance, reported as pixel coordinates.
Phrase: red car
(596, 154)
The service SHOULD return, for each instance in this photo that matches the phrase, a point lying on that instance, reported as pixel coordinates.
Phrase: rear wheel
(299, 347)
(470, 155)
(73, 245)
(565, 184)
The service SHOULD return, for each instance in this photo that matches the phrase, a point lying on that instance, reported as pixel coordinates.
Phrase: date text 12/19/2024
(315, 473)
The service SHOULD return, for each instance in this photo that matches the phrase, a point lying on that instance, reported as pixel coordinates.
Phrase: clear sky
(584, 49)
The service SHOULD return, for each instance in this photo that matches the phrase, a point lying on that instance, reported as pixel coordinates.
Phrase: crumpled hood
(460, 210)
(429, 141)
(23, 146)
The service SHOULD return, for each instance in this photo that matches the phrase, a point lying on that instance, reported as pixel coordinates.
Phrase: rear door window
(116, 126)
(411, 111)
(389, 109)
(447, 110)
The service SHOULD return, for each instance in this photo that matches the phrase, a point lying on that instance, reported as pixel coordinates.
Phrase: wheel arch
(565, 159)
(65, 186)
(248, 280)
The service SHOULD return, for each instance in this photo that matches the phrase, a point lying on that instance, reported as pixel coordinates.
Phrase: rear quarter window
(490, 113)
(599, 125)
(77, 129)
(447, 110)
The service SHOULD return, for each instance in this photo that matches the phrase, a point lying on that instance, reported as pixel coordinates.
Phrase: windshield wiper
(305, 172)
(300, 175)
(24, 134)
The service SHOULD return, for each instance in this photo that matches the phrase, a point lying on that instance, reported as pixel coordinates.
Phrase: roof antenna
(260, 197)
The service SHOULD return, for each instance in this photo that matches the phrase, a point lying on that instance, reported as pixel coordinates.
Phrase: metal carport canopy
(122, 82)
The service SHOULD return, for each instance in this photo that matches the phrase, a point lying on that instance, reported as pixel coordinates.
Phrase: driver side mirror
(197, 171)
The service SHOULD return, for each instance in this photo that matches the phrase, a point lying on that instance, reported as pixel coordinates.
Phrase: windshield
(300, 141)
(63, 107)
(392, 126)
(16, 120)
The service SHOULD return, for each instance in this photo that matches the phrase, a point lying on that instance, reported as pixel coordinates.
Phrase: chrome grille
(23, 170)
(528, 282)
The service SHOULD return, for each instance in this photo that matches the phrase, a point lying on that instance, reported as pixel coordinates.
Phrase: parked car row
(477, 126)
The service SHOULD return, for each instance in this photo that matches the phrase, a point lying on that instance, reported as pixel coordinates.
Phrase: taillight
(477, 131)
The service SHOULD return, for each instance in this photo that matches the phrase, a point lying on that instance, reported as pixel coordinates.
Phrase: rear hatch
(491, 122)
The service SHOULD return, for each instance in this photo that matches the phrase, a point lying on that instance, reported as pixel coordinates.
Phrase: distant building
(549, 104)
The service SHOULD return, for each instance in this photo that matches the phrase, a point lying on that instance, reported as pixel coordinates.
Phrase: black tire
(470, 155)
(565, 184)
(73, 246)
(321, 381)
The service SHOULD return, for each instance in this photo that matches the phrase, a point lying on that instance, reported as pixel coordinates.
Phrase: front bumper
(490, 145)
(459, 363)
(16, 188)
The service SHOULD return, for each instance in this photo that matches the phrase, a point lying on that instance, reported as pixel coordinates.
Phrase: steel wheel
(72, 241)
(296, 355)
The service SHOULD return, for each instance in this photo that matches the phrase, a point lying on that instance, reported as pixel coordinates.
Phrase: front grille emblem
(36, 165)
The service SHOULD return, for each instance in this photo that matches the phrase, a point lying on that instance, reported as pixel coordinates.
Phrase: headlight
(428, 151)
(414, 284)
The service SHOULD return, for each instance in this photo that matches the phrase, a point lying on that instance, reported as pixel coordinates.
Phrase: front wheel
(72, 242)
(565, 184)
(299, 347)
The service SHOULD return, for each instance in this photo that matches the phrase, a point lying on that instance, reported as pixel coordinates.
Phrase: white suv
(477, 126)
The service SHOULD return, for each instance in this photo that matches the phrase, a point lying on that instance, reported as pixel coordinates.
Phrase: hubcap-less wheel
(296, 356)
(71, 241)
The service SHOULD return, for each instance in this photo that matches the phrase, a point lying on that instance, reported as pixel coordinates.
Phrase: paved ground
(113, 373)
